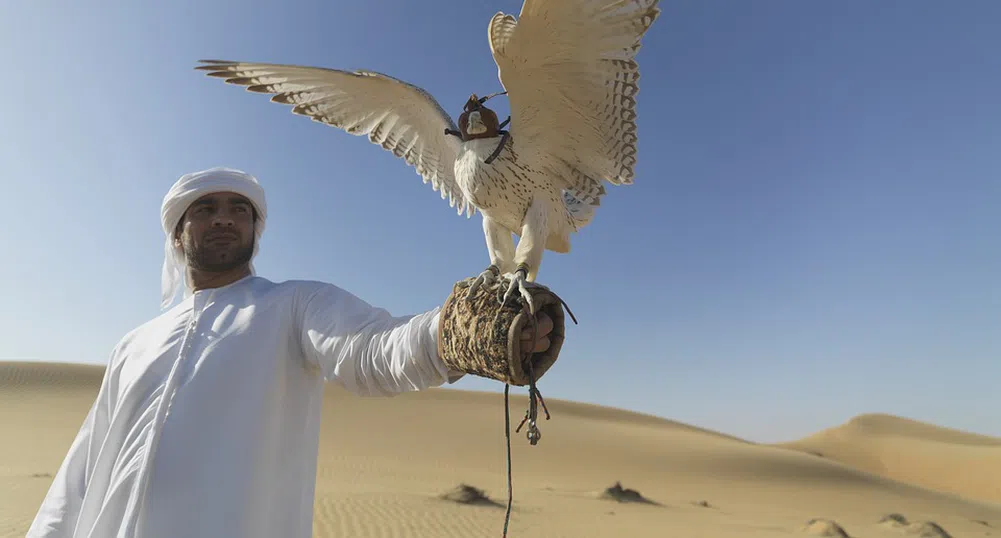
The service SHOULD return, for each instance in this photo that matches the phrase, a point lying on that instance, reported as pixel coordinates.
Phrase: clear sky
(814, 231)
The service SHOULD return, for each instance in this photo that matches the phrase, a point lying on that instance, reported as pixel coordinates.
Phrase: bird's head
(473, 103)
(478, 121)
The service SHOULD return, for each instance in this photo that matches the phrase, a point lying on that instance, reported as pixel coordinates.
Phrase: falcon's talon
(487, 277)
(519, 283)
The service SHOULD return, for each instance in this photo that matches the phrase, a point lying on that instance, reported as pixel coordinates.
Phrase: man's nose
(223, 219)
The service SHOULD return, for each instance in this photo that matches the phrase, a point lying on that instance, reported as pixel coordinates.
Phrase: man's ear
(177, 232)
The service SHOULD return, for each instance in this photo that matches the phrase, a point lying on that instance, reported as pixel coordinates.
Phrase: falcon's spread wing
(569, 69)
(398, 116)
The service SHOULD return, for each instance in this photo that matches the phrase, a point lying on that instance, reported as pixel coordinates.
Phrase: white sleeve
(367, 350)
(60, 509)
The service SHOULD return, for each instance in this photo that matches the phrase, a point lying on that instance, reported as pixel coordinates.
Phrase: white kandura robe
(207, 421)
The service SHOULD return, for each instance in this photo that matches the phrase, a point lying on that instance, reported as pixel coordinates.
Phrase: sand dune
(435, 451)
(916, 452)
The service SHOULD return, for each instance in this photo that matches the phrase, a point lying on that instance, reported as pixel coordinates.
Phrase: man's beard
(207, 259)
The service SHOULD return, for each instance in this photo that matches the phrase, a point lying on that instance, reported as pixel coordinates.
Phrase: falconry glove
(481, 334)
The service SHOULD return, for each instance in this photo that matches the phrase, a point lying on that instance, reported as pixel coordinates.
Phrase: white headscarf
(186, 190)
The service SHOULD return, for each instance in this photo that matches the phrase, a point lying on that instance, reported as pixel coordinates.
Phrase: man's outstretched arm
(366, 349)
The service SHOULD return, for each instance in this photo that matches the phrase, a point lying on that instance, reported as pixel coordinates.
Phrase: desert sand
(932, 456)
(428, 453)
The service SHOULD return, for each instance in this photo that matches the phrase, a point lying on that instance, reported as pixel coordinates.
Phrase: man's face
(217, 232)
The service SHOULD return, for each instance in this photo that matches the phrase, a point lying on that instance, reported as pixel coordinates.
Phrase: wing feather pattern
(400, 117)
(570, 72)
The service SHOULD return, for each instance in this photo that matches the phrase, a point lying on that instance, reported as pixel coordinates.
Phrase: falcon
(569, 70)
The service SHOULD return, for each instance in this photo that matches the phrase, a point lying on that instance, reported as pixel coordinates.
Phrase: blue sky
(813, 232)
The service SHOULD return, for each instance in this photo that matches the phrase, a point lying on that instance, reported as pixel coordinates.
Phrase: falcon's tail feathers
(580, 205)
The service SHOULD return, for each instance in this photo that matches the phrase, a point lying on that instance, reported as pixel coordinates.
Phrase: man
(206, 424)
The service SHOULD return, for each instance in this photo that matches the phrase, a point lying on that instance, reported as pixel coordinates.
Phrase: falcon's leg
(528, 255)
(500, 246)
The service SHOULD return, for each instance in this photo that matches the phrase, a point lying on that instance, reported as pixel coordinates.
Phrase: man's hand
(543, 326)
